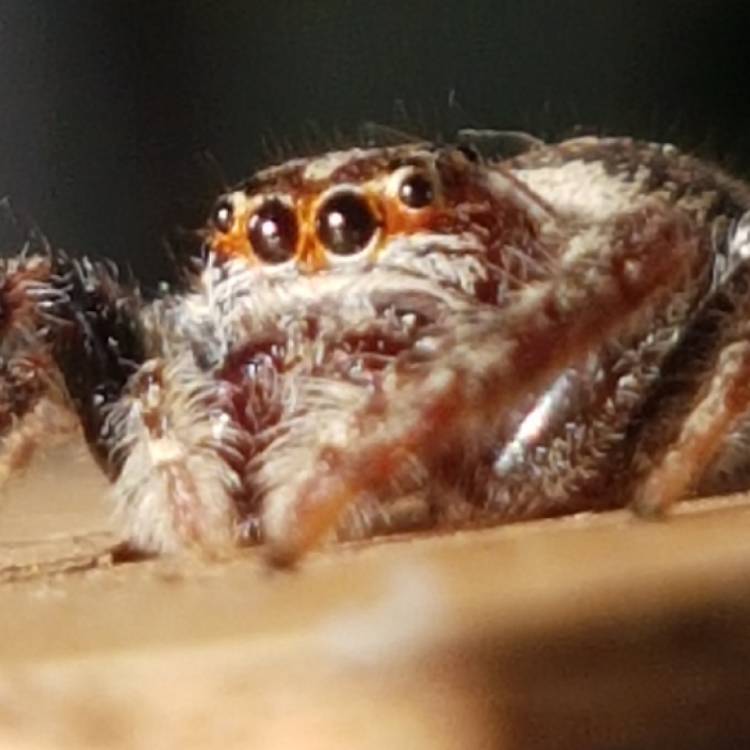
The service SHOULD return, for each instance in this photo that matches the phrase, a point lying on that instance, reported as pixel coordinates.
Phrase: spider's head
(397, 207)
(325, 273)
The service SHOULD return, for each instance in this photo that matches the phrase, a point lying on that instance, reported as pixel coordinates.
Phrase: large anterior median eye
(272, 231)
(345, 223)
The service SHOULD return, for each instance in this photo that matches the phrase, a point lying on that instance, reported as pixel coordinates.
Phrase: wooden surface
(588, 632)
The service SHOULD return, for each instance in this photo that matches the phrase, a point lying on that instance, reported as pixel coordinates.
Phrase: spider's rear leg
(46, 423)
(681, 467)
(33, 405)
(702, 396)
(485, 368)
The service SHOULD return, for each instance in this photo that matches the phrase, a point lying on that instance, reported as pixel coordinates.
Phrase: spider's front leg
(150, 416)
(174, 445)
(485, 366)
(80, 348)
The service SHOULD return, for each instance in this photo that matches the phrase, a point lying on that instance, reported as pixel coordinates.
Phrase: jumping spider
(405, 337)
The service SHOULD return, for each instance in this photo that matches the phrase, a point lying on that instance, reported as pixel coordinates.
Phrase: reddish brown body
(412, 337)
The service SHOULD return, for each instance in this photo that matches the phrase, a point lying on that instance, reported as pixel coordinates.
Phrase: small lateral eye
(416, 190)
(272, 231)
(471, 153)
(345, 223)
(223, 215)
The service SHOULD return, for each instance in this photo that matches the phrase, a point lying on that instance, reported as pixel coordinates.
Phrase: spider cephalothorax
(406, 337)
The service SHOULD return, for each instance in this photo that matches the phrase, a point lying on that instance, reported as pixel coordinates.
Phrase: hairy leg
(46, 423)
(32, 400)
(726, 399)
(463, 394)
(70, 338)
(702, 396)
(175, 489)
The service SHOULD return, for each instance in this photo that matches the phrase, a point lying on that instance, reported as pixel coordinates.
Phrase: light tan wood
(593, 631)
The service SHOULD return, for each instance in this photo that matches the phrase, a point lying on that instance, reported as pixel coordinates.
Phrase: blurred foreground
(589, 632)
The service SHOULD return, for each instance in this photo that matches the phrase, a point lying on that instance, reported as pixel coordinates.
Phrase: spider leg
(70, 338)
(464, 394)
(76, 348)
(98, 340)
(175, 489)
(701, 436)
(703, 394)
(32, 401)
(47, 422)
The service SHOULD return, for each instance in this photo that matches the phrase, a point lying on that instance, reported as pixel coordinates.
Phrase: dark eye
(223, 215)
(272, 231)
(470, 152)
(346, 223)
(416, 190)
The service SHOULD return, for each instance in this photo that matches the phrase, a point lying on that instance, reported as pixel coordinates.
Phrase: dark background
(107, 109)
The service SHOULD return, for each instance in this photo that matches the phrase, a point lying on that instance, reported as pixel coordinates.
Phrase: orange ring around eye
(311, 255)
(399, 220)
(233, 244)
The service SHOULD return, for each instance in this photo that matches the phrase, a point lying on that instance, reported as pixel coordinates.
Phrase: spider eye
(272, 231)
(416, 190)
(345, 223)
(223, 215)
